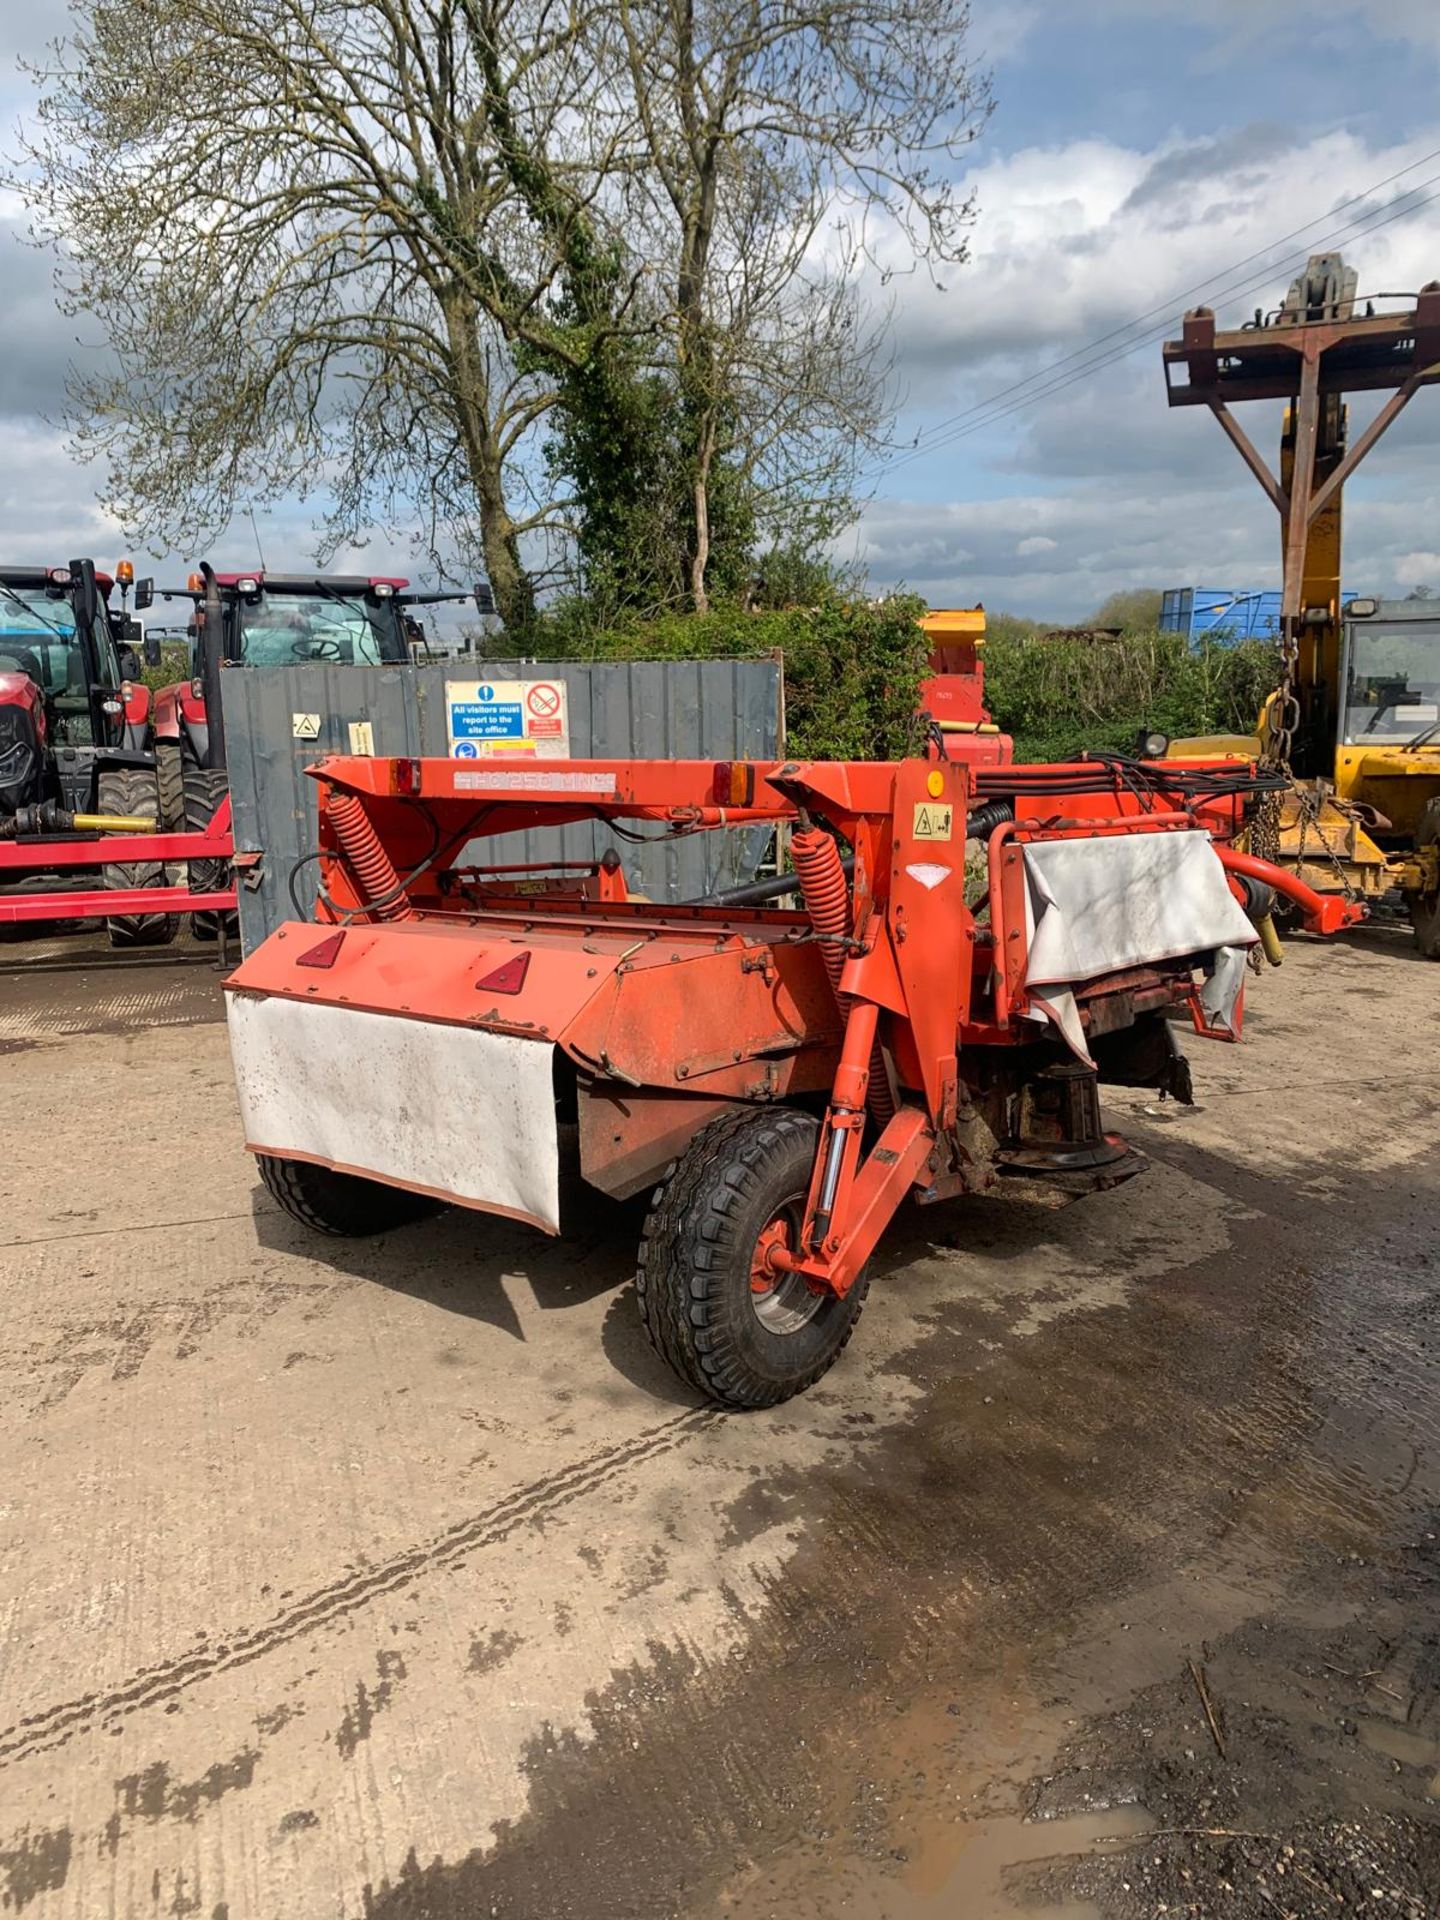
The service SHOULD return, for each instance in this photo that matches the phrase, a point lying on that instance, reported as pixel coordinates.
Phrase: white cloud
(1114, 535)
(1075, 241)
(48, 510)
(1102, 485)
(1000, 28)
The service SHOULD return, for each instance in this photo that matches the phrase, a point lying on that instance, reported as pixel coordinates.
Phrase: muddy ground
(398, 1579)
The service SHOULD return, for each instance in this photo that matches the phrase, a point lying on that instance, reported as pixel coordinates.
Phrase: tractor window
(38, 637)
(1393, 688)
(277, 629)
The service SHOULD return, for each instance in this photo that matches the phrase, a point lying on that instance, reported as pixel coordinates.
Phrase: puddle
(964, 1874)
(988, 1851)
(1411, 1749)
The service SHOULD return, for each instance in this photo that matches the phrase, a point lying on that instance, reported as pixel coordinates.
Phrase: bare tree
(399, 252)
(325, 240)
(787, 144)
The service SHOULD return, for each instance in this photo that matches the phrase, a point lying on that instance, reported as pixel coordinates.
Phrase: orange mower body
(780, 1076)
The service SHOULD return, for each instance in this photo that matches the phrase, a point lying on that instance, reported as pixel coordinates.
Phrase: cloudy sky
(1136, 163)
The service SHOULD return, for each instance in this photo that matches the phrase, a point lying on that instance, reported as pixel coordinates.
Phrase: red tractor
(75, 753)
(267, 620)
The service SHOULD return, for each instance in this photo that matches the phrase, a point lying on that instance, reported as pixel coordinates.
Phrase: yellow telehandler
(1355, 718)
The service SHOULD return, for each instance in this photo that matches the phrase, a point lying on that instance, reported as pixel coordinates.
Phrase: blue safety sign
(507, 718)
(486, 718)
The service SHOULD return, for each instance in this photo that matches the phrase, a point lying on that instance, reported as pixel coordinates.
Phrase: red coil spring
(373, 870)
(816, 859)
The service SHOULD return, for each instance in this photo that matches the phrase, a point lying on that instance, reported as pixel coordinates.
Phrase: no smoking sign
(545, 710)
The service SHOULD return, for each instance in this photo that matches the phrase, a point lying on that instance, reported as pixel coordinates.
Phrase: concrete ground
(398, 1579)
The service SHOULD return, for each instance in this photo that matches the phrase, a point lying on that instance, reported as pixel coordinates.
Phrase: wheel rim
(782, 1302)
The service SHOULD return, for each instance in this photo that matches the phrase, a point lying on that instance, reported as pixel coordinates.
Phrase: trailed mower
(781, 1065)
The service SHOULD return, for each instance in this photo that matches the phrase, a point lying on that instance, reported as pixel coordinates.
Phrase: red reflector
(734, 783)
(326, 954)
(509, 978)
(405, 776)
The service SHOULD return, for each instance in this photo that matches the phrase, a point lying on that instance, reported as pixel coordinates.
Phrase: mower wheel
(744, 1332)
(1425, 907)
(134, 790)
(205, 788)
(341, 1204)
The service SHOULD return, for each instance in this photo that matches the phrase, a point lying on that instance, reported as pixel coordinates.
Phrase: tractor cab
(279, 620)
(268, 620)
(67, 707)
(1388, 753)
(65, 649)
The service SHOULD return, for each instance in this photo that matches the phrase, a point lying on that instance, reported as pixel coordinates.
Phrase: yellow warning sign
(933, 821)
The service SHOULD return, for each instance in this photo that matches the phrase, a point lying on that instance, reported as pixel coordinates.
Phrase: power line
(947, 433)
(1117, 354)
(1167, 307)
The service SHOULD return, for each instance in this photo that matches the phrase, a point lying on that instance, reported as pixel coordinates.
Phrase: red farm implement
(781, 1077)
(90, 823)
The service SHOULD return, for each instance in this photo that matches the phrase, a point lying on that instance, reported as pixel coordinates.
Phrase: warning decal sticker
(934, 820)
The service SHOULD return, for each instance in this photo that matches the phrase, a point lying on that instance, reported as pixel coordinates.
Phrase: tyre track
(56, 1725)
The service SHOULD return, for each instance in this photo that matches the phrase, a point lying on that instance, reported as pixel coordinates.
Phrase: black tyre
(742, 1332)
(170, 785)
(1425, 907)
(204, 789)
(134, 790)
(341, 1204)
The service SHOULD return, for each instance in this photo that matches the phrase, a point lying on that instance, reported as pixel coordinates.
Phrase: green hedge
(852, 672)
(174, 665)
(1059, 696)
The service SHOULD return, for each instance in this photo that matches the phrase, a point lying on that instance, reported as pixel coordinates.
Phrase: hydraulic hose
(758, 893)
(982, 822)
(370, 865)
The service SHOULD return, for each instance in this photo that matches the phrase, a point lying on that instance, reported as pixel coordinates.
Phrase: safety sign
(933, 820)
(487, 717)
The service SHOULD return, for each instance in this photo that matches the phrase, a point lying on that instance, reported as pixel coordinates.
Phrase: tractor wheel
(743, 1332)
(341, 1204)
(1425, 907)
(170, 785)
(205, 788)
(134, 790)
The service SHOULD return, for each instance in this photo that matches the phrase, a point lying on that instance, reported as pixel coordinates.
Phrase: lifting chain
(1282, 710)
(1282, 717)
